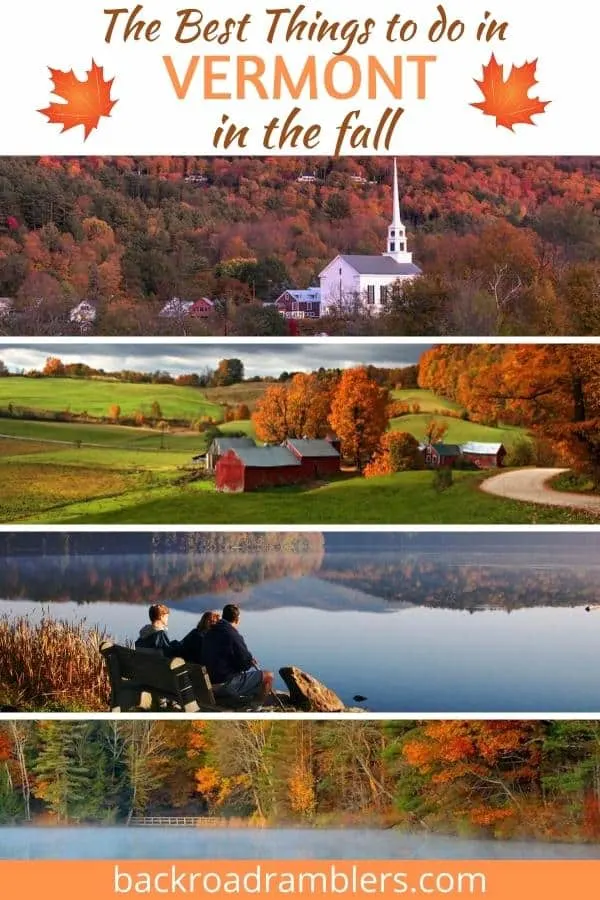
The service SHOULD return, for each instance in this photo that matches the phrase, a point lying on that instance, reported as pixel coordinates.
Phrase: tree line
(501, 778)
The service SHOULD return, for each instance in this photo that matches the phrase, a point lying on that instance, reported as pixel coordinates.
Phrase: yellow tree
(299, 409)
(435, 431)
(270, 418)
(359, 414)
(309, 404)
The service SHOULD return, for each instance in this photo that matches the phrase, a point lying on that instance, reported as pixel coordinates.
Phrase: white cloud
(270, 359)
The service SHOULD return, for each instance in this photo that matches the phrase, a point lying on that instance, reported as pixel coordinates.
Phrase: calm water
(429, 633)
(197, 843)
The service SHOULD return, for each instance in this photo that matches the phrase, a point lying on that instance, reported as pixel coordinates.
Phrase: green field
(427, 400)
(121, 436)
(122, 475)
(95, 397)
(459, 431)
(404, 499)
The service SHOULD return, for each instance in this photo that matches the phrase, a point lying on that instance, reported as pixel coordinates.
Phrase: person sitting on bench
(154, 636)
(231, 667)
(192, 644)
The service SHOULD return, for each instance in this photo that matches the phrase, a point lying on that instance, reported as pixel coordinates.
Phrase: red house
(484, 456)
(248, 468)
(300, 304)
(318, 458)
(201, 308)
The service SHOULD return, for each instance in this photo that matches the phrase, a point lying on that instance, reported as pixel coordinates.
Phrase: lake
(205, 843)
(413, 633)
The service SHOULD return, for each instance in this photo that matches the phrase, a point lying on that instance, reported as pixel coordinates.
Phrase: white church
(364, 283)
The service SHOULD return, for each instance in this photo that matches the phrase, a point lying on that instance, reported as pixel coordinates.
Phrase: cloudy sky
(178, 358)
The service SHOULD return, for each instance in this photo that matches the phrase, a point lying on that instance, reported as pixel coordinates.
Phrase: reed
(52, 664)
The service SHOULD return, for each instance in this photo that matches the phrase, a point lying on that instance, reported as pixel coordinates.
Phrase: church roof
(380, 265)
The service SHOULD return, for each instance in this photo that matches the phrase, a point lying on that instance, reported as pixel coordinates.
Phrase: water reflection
(418, 632)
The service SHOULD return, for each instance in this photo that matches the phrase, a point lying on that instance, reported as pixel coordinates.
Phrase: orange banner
(495, 880)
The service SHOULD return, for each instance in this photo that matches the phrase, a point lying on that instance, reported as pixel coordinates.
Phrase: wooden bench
(145, 679)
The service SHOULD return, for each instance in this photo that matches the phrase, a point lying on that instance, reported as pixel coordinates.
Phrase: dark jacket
(191, 647)
(151, 638)
(225, 653)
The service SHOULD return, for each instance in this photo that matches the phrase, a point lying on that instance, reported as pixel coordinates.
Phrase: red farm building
(319, 458)
(248, 468)
(440, 455)
(241, 469)
(484, 456)
(202, 308)
(300, 304)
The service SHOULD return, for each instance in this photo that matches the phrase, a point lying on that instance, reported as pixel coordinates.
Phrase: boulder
(309, 694)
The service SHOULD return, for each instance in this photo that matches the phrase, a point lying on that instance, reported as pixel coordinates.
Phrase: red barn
(248, 468)
(440, 455)
(484, 456)
(318, 458)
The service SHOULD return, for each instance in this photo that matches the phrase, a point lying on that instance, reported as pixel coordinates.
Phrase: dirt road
(530, 485)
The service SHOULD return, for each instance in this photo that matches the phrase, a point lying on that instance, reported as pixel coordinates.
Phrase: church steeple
(396, 240)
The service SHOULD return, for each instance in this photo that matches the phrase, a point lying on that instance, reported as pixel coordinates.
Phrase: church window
(392, 246)
(402, 246)
(370, 293)
(383, 294)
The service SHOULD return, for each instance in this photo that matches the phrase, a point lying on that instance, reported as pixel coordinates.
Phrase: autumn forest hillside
(504, 779)
(506, 245)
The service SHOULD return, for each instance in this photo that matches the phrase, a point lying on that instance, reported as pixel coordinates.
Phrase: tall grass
(51, 664)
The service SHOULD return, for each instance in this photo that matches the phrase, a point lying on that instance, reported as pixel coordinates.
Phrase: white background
(150, 120)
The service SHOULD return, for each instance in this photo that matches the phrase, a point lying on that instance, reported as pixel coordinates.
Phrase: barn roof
(481, 448)
(317, 447)
(447, 449)
(380, 265)
(266, 457)
(222, 444)
(442, 449)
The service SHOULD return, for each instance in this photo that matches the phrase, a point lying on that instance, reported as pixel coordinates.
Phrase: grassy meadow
(95, 396)
(427, 400)
(71, 473)
(459, 431)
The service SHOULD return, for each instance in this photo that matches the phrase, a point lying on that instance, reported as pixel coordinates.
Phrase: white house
(83, 314)
(6, 307)
(176, 308)
(351, 282)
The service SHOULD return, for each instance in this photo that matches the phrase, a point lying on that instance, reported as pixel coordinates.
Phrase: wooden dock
(177, 821)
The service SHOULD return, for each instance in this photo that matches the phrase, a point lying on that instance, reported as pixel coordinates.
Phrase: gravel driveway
(530, 485)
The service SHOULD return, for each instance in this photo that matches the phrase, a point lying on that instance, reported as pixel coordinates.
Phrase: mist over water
(452, 632)
(206, 844)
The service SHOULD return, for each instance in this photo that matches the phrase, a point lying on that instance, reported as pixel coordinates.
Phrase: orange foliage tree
(552, 389)
(435, 431)
(359, 414)
(398, 451)
(482, 770)
(54, 367)
(296, 410)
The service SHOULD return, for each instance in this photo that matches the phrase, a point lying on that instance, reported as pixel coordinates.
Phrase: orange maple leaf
(86, 101)
(509, 100)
